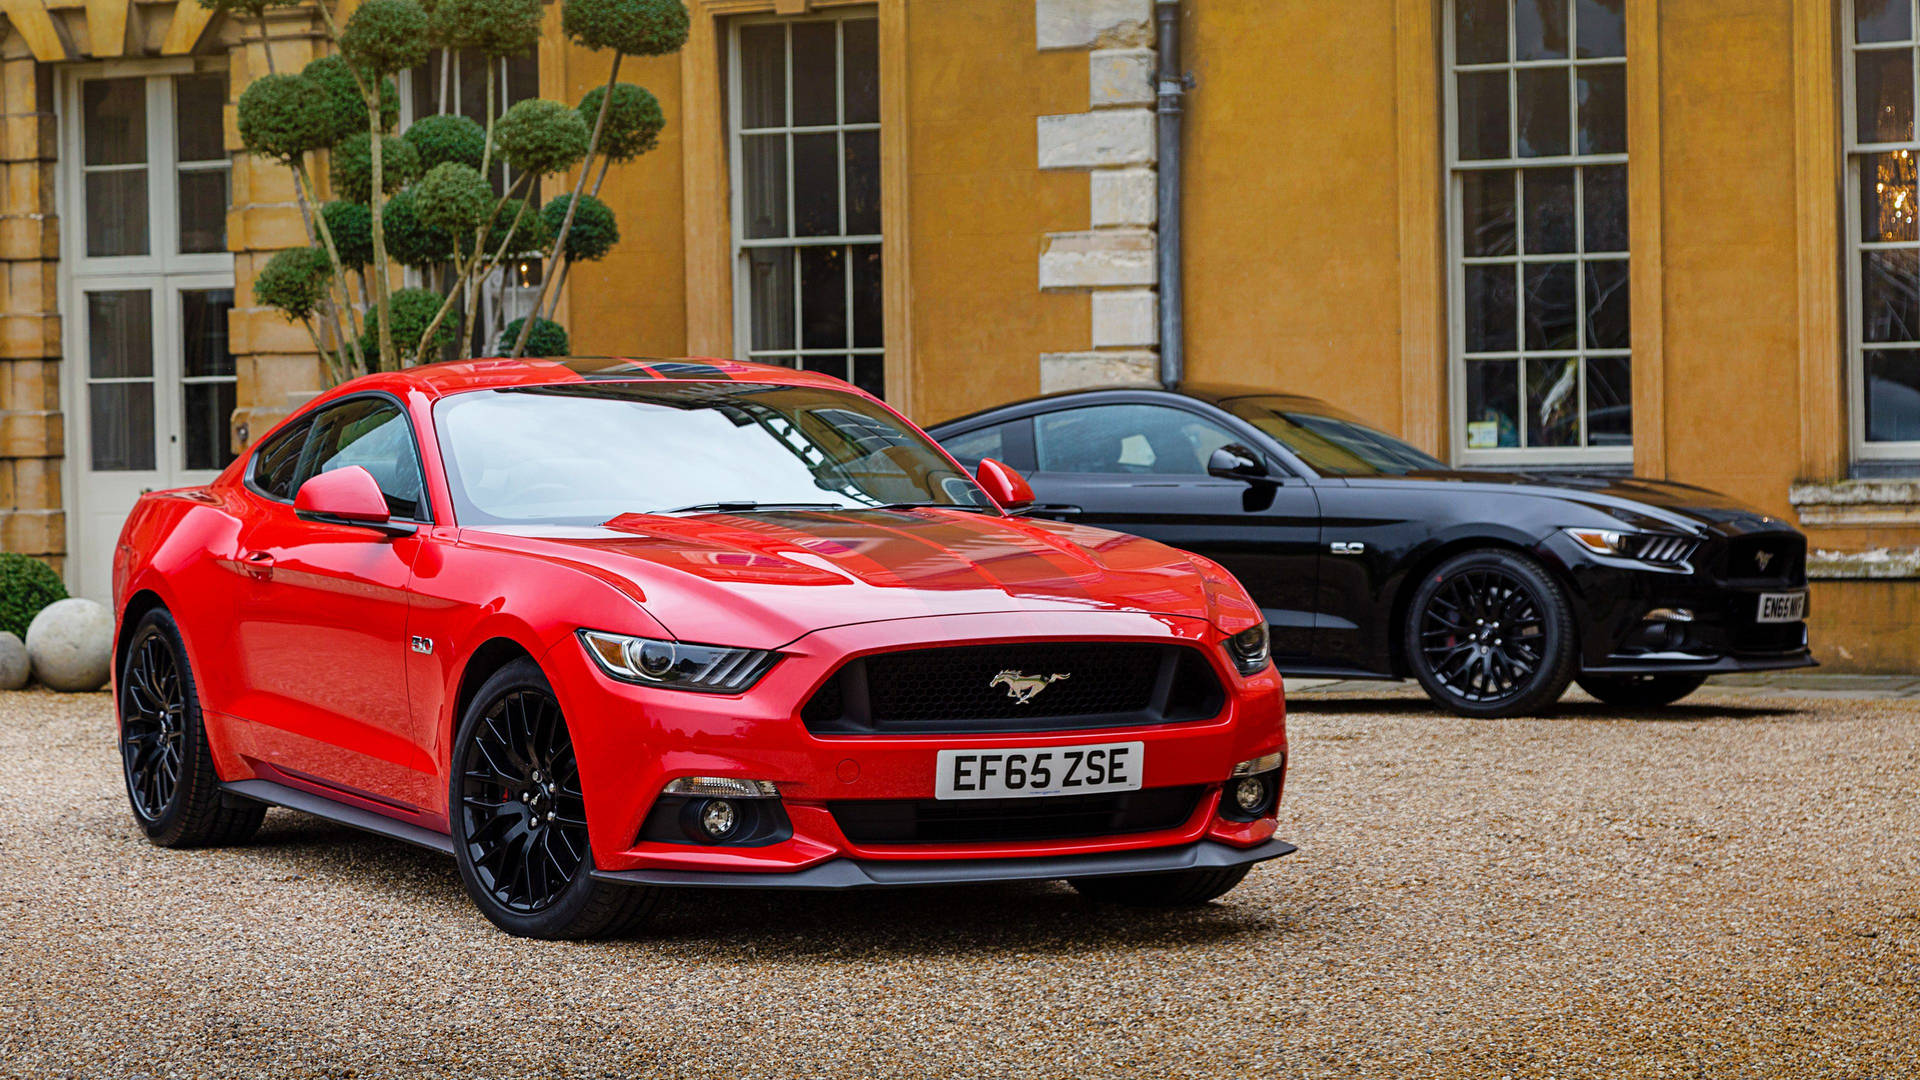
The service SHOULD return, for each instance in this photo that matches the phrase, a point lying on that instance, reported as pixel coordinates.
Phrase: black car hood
(1662, 500)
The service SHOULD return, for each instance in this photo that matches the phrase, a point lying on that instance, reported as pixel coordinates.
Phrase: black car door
(1142, 469)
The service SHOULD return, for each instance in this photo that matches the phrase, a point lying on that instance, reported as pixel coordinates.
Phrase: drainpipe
(1173, 84)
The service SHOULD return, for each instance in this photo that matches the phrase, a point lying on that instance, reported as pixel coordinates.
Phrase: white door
(149, 384)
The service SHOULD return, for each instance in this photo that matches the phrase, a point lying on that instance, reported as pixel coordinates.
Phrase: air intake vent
(1662, 549)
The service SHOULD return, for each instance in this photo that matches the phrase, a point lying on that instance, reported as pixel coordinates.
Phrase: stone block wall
(32, 433)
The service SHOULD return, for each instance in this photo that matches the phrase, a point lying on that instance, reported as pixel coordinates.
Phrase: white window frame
(1853, 150)
(743, 246)
(1457, 263)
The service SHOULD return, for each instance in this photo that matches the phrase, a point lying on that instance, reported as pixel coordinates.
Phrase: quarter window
(276, 465)
(1127, 439)
(1883, 267)
(1537, 153)
(805, 118)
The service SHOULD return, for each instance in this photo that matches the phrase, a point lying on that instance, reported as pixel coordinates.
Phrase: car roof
(1211, 393)
(456, 376)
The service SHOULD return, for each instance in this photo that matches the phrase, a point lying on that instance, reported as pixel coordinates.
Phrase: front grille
(1016, 686)
(973, 821)
(1780, 558)
(1768, 637)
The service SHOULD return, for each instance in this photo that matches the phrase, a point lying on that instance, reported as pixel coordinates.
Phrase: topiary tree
(547, 338)
(594, 229)
(351, 166)
(443, 138)
(540, 137)
(352, 227)
(335, 78)
(414, 329)
(26, 586)
(299, 282)
(410, 241)
(634, 123)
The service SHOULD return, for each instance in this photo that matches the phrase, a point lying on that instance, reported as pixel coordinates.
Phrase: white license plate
(1038, 770)
(1782, 607)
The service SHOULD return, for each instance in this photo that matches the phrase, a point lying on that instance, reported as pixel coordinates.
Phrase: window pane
(815, 93)
(120, 418)
(117, 213)
(1884, 83)
(1890, 295)
(763, 75)
(199, 131)
(1882, 20)
(209, 409)
(1549, 198)
(1552, 311)
(372, 434)
(823, 298)
(114, 113)
(274, 464)
(1479, 31)
(1493, 400)
(763, 202)
(868, 301)
(975, 446)
(1609, 401)
(1540, 29)
(1553, 402)
(1608, 324)
(1489, 304)
(1543, 112)
(1134, 439)
(835, 366)
(1483, 114)
(1887, 197)
(1603, 108)
(816, 185)
(870, 374)
(1486, 212)
(863, 183)
(203, 211)
(1893, 395)
(1602, 26)
(1605, 198)
(203, 325)
(861, 45)
(120, 334)
(770, 285)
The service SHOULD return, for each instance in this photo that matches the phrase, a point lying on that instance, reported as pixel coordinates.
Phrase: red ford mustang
(599, 627)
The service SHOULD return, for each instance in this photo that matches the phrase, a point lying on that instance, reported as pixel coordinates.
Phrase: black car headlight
(677, 665)
(1249, 649)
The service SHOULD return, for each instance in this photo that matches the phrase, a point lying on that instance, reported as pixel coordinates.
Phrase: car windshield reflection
(1333, 444)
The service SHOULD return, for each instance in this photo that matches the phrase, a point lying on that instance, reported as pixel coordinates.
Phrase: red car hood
(763, 580)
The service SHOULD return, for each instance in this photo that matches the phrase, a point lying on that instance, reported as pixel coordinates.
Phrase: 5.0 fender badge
(1022, 687)
(423, 645)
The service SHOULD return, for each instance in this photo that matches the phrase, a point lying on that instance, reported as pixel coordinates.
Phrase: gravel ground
(1728, 889)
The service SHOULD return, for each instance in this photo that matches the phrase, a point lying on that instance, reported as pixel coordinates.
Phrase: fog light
(719, 819)
(1250, 794)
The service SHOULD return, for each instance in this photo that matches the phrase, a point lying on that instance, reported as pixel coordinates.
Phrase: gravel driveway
(1731, 890)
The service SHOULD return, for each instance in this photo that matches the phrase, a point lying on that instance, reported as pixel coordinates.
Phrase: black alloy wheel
(519, 816)
(172, 782)
(1640, 691)
(1490, 634)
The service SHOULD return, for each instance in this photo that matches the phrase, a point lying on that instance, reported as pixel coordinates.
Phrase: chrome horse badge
(1022, 687)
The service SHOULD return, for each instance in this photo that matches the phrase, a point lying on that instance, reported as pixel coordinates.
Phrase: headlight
(712, 669)
(1660, 549)
(1249, 649)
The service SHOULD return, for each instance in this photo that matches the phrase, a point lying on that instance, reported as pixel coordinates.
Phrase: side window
(372, 433)
(974, 446)
(277, 463)
(1153, 440)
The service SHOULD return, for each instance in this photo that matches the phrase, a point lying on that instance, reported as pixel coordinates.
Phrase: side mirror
(1007, 487)
(349, 496)
(1236, 462)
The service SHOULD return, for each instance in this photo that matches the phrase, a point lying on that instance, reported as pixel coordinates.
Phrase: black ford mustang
(1372, 559)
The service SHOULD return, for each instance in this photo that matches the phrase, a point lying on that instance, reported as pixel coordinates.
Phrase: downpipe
(1172, 86)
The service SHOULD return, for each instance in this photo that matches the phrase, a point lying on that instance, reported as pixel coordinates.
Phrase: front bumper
(838, 874)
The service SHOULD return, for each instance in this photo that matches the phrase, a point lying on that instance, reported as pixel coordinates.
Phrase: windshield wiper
(968, 507)
(745, 505)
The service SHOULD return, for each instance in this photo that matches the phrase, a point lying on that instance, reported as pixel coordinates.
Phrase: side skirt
(273, 794)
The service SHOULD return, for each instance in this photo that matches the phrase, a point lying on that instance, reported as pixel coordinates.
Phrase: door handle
(259, 565)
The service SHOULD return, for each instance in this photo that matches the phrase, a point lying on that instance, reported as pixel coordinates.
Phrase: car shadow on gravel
(1681, 712)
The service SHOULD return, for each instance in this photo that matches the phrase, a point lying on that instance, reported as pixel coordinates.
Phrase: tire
(1640, 691)
(1489, 633)
(1177, 888)
(518, 817)
(173, 786)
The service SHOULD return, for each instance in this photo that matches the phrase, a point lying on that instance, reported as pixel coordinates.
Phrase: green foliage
(26, 586)
(444, 138)
(539, 137)
(453, 197)
(495, 27)
(250, 8)
(633, 122)
(295, 281)
(635, 27)
(530, 235)
(352, 227)
(352, 166)
(412, 310)
(386, 36)
(283, 117)
(346, 109)
(594, 230)
(409, 240)
(547, 338)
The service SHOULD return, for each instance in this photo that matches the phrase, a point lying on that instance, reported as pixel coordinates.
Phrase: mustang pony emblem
(1022, 687)
(1762, 558)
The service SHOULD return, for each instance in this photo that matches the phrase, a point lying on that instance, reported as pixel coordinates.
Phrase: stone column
(1113, 141)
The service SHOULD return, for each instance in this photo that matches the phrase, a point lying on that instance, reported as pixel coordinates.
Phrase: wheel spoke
(523, 859)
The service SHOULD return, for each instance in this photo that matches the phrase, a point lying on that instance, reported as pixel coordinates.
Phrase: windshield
(582, 455)
(1334, 445)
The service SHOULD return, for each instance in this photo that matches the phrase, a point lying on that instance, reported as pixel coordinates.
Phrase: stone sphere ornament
(70, 645)
(15, 667)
